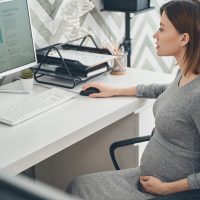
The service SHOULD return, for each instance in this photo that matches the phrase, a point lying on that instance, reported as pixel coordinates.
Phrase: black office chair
(186, 195)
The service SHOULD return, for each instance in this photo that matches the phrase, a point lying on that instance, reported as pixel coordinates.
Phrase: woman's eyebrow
(162, 24)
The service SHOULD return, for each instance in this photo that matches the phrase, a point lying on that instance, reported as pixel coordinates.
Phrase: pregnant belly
(167, 164)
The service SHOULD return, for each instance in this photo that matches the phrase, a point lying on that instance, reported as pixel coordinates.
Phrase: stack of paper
(89, 59)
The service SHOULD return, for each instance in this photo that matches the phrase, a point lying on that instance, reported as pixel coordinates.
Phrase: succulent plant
(26, 74)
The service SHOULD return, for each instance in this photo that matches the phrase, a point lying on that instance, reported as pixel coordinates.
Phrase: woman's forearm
(176, 186)
(130, 91)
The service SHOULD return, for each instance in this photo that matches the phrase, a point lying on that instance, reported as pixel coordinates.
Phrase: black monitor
(23, 188)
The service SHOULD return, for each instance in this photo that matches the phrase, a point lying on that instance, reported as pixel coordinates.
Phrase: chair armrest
(186, 195)
(122, 143)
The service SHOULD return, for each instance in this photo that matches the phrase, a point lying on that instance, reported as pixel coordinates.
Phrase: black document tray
(64, 72)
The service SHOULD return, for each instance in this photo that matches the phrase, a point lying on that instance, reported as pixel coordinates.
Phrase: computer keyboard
(34, 105)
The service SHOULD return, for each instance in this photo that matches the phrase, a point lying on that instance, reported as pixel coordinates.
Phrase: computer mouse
(89, 91)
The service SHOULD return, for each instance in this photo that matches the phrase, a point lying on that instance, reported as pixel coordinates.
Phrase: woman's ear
(185, 38)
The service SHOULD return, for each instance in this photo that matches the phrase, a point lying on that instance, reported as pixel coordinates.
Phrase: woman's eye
(160, 29)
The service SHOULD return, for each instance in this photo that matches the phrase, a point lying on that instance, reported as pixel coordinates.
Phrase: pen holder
(120, 64)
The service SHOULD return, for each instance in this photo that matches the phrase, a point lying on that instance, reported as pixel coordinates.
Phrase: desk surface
(34, 140)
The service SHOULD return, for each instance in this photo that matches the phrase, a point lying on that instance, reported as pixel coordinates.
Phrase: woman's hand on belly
(154, 185)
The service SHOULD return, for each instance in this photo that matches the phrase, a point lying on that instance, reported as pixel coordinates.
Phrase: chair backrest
(127, 142)
(123, 143)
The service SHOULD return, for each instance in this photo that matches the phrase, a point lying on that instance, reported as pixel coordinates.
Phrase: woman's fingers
(144, 178)
(87, 85)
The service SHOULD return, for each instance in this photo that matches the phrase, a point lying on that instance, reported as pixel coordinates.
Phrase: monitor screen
(17, 50)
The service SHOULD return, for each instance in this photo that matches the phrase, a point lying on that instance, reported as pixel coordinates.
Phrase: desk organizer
(59, 71)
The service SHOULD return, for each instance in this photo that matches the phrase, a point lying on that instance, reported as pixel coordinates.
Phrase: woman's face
(167, 38)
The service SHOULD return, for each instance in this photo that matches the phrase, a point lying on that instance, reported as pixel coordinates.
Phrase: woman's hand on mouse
(105, 90)
(108, 91)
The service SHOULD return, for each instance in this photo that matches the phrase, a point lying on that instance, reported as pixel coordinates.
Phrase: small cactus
(26, 74)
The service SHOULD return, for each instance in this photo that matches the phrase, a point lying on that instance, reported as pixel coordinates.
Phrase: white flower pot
(27, 84)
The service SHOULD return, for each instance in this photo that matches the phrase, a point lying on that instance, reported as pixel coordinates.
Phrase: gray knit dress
(173, 153)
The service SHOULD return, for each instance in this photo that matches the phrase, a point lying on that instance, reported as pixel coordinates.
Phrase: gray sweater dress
(173, 153)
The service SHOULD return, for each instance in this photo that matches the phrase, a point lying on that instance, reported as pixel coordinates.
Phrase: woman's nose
(155, 35)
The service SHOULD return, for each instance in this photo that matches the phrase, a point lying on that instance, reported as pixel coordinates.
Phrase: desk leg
(144, 124)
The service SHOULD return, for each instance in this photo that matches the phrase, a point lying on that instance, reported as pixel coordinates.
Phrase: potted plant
(26, 76)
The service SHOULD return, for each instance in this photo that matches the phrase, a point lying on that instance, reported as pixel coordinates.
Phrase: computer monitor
(17, 51)
(22, 188)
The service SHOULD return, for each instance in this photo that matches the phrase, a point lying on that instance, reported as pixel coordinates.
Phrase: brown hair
(185, 16)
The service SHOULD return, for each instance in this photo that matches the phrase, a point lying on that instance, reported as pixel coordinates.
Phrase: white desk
(37, 139)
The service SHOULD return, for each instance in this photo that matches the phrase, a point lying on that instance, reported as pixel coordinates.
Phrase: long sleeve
(194, 179)
(150, 91)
